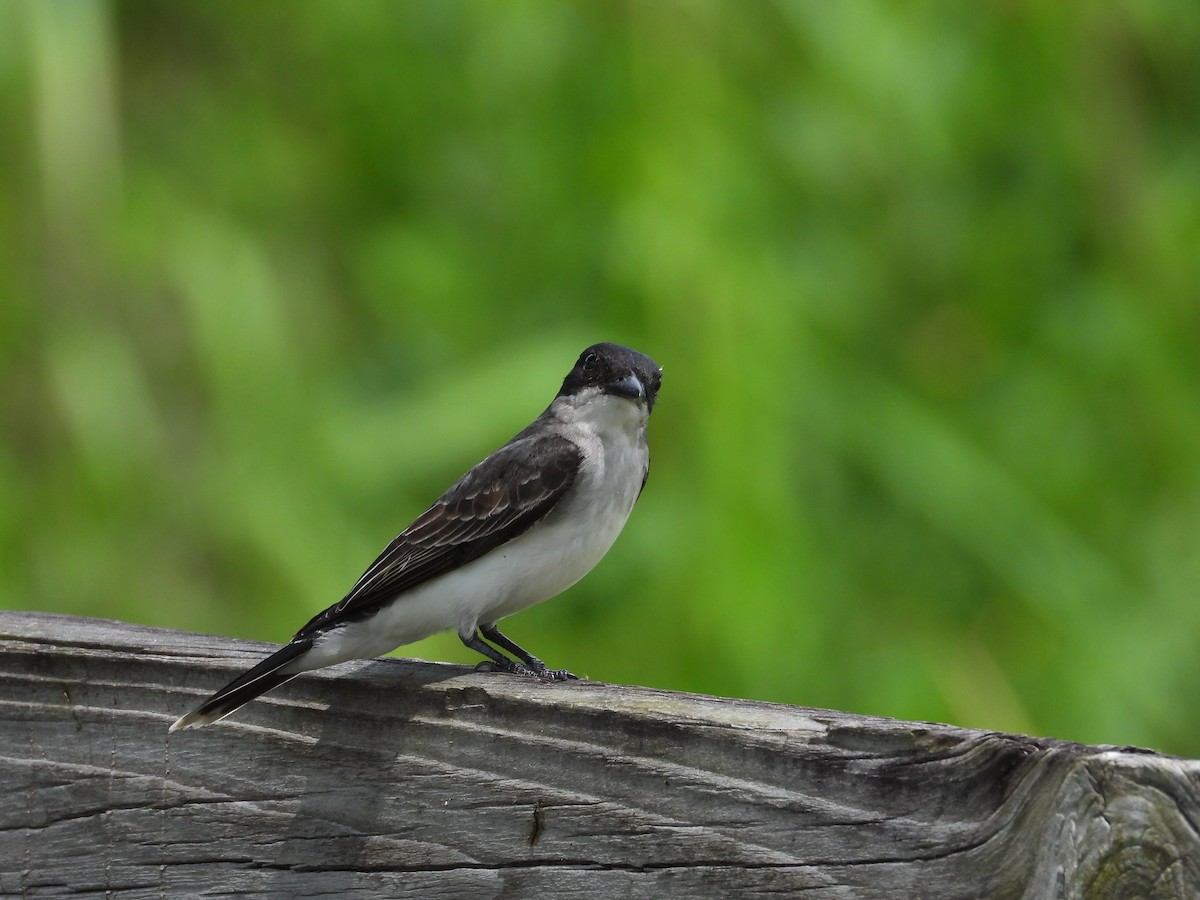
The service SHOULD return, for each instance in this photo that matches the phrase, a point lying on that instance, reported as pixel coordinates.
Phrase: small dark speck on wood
(405, 779)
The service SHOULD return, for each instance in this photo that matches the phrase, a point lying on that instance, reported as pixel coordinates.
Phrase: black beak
(630, 386)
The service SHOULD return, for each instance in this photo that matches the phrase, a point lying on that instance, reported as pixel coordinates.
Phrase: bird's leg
(498, 659)
(493, 634)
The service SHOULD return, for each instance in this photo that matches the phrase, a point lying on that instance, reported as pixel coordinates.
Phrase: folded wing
(493, 503)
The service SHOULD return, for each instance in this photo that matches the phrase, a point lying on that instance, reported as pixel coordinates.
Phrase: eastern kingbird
(520, 527)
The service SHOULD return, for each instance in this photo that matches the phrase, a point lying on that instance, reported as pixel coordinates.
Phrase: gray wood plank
(402, 778)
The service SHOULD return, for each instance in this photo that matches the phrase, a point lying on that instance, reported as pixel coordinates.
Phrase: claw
(509, 666)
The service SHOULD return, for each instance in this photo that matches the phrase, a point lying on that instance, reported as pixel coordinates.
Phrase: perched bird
(520, 527)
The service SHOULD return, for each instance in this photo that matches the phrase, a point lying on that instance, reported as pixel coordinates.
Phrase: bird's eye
(589, 359)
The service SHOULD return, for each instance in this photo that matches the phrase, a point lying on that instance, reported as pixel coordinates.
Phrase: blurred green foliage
(923, 278)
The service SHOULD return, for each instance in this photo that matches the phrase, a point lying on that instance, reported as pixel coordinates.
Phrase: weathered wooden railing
(395, 778)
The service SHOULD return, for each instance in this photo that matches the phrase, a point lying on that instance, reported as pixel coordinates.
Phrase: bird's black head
(615, 370)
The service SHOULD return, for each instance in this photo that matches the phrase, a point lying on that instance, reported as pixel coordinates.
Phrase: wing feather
(497, 500)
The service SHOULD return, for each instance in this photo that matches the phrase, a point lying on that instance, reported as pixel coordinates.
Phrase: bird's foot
(511, 667)
(538, 670)
(546, 674)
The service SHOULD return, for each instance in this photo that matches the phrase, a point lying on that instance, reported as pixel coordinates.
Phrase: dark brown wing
(493, 503)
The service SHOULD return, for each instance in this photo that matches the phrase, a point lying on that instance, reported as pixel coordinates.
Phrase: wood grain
(397, 778)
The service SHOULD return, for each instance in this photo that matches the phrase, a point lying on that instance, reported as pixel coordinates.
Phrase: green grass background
(923, 278)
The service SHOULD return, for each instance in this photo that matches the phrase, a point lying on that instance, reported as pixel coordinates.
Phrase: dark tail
(266, 675)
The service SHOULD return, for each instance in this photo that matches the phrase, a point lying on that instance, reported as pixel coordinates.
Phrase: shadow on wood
(396, 778)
